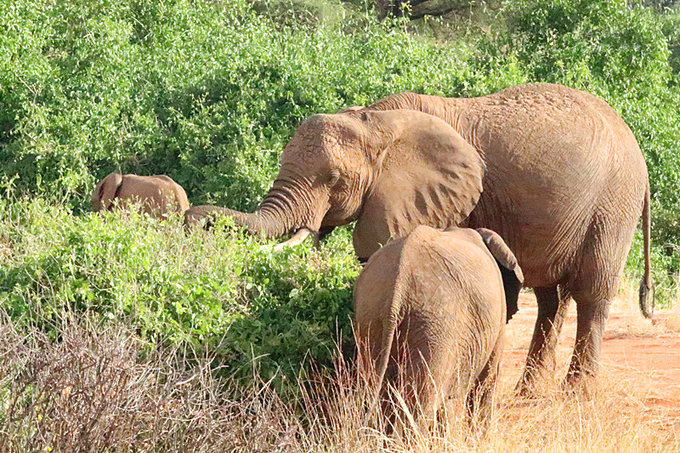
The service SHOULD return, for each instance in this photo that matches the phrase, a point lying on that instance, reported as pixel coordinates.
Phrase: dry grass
(619, 418)
(97, 390)
(673, 319)
(625, 319)
(102, 390)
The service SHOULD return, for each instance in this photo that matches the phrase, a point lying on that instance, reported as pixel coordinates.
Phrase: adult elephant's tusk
(297, 238)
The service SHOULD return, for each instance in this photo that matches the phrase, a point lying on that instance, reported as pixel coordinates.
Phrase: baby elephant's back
(460, 264)
(447, 291)
(458, 280)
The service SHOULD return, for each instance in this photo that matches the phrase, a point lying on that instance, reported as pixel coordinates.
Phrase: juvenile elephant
(564, 185)
(157, 194)
(430, 314)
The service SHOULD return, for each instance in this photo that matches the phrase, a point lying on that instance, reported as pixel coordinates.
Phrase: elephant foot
(526, 387)
(580, 385)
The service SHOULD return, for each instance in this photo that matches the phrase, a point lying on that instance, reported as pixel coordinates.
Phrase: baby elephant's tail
(389, 330)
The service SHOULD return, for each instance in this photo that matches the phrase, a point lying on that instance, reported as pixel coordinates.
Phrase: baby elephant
(430, 311)
(156, 194)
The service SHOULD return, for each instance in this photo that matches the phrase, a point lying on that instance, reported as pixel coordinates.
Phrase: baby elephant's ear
(507, 263)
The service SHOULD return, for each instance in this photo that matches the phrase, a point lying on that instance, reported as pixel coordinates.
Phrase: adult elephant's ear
(513, 278)
(425, 174)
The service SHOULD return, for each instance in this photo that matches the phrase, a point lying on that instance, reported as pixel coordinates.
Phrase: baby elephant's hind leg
(480, 398)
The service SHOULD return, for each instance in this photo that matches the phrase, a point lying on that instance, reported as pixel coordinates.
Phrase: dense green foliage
(622, 55)
(208, 95)
(671, 28)
(225, 292)
(210, 92)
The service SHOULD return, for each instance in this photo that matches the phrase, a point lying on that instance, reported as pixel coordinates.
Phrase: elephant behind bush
(157, 195)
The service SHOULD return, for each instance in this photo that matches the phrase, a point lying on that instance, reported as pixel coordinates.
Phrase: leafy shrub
(601, 45)
(671, 28)
(220, 292)
(209, 93)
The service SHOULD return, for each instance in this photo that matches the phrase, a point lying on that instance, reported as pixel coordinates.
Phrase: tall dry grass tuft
(618, 417)
(625, 320)
(341, 416)
(102, 389)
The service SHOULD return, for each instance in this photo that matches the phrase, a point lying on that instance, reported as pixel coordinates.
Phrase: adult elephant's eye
(332, 176)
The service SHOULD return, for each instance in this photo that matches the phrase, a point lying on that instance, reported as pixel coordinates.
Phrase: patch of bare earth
(639, 366)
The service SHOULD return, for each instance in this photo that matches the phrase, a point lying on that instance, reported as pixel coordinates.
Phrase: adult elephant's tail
(646, 286)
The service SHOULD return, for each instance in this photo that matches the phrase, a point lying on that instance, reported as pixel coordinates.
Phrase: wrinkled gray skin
(430, 315)
(564, 185)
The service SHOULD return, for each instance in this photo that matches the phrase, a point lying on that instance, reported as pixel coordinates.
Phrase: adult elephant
(564, 185)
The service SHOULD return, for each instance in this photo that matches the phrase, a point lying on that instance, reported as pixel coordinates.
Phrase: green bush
(605, 46)
(208, 93)
(671, 28)
(224, 292)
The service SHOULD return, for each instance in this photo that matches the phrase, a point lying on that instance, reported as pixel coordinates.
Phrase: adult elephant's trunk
(254, 222)
(287, 207)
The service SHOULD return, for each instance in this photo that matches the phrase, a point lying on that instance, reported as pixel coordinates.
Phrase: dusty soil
(641, 354)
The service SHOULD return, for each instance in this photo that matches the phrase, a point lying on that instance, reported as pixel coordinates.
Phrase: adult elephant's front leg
(553, 304)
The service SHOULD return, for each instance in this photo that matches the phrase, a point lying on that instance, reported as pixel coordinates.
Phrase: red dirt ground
(647, 354)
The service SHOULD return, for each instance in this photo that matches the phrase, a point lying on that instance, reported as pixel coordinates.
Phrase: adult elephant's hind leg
(592, 315)
(553, 304)
(593, 289)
